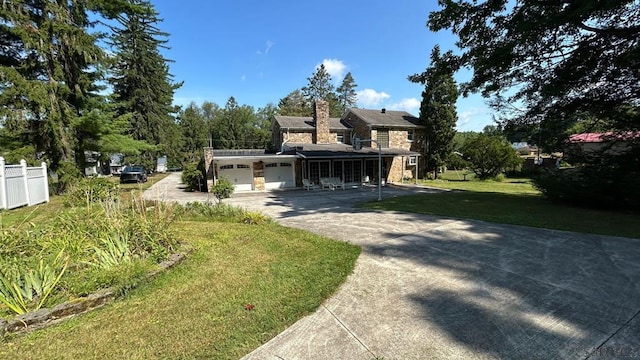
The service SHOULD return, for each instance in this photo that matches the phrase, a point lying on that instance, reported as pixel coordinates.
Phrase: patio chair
(308, 185)
(337, 183)
(326, 183)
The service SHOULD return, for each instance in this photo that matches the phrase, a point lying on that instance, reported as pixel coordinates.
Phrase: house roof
(387, 118)
(341, 151)
(307, 123)
(601, 137)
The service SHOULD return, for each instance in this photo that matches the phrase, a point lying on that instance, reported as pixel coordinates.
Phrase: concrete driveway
(437, 288)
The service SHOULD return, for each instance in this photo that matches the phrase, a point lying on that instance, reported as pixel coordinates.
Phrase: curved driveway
(438, 288)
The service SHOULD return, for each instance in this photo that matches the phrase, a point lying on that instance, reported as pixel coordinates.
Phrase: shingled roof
(386, 118)
(306, 123)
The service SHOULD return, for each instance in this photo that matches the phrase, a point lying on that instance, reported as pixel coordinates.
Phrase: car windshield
(133, 169)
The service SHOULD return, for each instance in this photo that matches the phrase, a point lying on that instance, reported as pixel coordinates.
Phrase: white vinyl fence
(22, 186)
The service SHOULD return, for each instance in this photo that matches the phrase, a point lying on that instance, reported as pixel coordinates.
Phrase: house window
(412, 160)
(226, 167)
(243, 166)
(383, 138)
(285, 164)
(340, 137)
(409, 135)
(271, 165)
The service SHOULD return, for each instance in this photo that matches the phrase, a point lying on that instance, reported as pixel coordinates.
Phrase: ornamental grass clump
(83, 249)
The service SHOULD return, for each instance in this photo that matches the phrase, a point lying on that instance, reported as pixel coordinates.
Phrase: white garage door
(278, 175)
(240, 175)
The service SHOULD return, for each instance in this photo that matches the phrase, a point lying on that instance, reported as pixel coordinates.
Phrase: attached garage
(239, 174)
(279, 175)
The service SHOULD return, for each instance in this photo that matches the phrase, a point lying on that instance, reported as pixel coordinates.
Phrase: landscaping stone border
(67, 310)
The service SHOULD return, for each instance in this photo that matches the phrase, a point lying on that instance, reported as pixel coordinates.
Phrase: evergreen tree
(142, 84)
(50, 64)
(437, 111)
(294, 104)
(347, 96)
(194, 131)
(319, 87)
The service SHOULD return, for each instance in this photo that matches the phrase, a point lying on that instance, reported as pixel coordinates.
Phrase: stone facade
(321, 118)
(299, 137)
(360, 129)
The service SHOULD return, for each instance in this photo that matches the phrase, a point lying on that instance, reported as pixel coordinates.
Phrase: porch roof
(315, 151)
(273, 157)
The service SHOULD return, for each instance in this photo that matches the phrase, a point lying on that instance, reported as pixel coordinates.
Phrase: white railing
(21, 185)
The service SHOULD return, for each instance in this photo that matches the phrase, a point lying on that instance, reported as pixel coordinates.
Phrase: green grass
(512, 201)
(45, 212)
(197, 310)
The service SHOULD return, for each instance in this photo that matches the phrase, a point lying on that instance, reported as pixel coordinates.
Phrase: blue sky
(260, 51)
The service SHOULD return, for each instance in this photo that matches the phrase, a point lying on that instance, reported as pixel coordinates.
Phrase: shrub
(254, 218)
(223, 189)
(88, 191)
(67, 174)
(193, 176)
(489, 155)
(597, 185)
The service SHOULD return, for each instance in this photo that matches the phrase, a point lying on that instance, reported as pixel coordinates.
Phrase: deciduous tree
(550, 64)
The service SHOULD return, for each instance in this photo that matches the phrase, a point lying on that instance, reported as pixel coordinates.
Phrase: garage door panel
(242, 178)
(278, 176)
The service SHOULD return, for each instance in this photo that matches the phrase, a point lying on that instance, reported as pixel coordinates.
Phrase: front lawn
(201, 308)
(247, 279)
(512, 201)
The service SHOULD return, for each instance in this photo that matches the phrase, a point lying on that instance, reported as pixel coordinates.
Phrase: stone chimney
(321, 119)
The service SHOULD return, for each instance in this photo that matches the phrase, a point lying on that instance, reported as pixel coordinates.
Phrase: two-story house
(319, 146)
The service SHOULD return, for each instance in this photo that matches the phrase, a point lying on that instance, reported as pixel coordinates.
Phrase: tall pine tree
(142, 84)
(49, 64)
(347, 96)
(437, 110)
(320, 87)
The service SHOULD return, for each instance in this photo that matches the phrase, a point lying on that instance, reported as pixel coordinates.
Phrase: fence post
(23, 167)
(3, 185)
(46, 180)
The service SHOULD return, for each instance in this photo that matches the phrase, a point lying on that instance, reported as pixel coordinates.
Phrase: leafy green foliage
(549, 65)
(67, 175)
(488, 156)
(222, 189)
(294, 104)
(600, 182)
(254, 218)
(437, 110)
(114, 251)
(193, 176)
(91, 191)
(108, 237)
(23, 290)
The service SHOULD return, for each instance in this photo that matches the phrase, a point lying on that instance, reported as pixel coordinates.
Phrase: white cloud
(410, 105)
(336, 68)
(268, 45)
(474, 119)
(368, 98)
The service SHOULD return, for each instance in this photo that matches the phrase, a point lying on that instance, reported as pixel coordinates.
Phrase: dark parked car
(133, 173)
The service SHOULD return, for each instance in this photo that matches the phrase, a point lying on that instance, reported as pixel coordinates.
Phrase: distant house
(585, 144)
(161, 164)
(318, 147)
